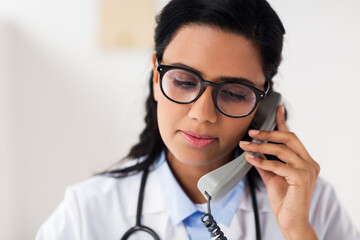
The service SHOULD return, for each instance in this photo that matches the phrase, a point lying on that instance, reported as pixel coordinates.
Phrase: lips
(197, 140)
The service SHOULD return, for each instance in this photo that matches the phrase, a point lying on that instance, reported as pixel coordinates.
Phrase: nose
(203, 109)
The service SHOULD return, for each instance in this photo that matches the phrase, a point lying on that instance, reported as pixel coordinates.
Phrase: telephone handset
(219, 182)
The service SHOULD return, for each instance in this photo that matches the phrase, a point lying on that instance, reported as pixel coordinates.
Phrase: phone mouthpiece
(219, 182)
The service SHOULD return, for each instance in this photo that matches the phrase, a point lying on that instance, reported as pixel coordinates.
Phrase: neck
(188, 176)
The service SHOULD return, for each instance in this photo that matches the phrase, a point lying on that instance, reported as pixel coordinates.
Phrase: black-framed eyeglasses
(232, 98)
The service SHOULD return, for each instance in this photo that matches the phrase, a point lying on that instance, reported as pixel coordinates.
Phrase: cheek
(236, 130)
(169, 115)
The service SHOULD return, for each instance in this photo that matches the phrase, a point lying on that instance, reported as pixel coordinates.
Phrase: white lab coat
(103, 208)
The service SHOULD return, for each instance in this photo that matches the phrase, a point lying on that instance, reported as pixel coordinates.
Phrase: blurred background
(73, 80)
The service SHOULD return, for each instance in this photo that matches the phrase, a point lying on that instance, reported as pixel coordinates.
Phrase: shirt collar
(180, 206)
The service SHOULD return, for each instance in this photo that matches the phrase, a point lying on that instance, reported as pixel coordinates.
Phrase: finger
(265, 175)
(262, 156)
(280, 119)
(287, 138)
(292, 175)
(281, 151)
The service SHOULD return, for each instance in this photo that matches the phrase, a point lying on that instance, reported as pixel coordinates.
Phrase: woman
(210, 56)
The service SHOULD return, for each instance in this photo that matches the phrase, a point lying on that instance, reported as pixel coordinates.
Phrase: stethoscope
(141, 228)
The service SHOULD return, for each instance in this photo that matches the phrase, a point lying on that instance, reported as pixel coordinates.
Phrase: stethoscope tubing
(138, 226)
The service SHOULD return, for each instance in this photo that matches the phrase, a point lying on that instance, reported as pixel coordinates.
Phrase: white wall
(69, 109)
(319, 78)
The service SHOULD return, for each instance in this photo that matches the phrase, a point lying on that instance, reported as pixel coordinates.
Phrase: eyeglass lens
(233, 99)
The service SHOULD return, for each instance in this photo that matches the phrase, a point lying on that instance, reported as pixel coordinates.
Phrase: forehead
(215, 53)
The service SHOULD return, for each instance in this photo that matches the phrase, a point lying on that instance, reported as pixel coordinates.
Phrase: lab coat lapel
(234, 231)
(155, 214)
(177, 232)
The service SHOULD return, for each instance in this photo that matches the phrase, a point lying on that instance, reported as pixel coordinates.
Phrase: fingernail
(249, 155)
(254, 132)
(282, 109)
(244, 143)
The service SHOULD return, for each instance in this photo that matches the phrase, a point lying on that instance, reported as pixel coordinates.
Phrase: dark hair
(253, 19)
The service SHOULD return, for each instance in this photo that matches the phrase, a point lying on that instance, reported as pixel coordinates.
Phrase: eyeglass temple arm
(157, 64)
(267, 87)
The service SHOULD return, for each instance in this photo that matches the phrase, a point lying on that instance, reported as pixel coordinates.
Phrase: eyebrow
(222, 78)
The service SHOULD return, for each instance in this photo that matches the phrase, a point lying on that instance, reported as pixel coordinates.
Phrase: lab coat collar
(152, 203)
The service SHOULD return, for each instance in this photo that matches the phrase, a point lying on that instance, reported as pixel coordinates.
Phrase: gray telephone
(219, 182)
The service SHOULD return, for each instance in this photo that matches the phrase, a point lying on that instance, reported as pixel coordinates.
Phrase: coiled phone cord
(211, 224)
(215, 230)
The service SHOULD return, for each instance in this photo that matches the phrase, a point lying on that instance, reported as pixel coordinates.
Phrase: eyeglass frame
(163, 69)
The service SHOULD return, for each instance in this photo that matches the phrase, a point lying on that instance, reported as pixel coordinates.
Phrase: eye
(228, 95)
(236, 93)
(184, 84)
(182, 80)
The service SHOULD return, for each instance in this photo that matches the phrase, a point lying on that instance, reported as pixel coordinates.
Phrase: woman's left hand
(290, 184)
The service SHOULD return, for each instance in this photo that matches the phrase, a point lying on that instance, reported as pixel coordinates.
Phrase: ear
(156, 86)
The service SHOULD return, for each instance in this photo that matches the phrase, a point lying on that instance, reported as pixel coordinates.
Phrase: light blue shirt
(182, 209)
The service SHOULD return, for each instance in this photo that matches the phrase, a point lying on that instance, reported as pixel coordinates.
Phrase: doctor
(213, 60)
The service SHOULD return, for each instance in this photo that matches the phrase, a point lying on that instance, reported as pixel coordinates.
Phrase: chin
(195, 159)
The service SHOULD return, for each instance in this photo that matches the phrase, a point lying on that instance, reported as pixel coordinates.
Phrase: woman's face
(198, 134)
